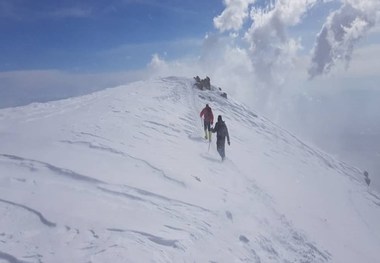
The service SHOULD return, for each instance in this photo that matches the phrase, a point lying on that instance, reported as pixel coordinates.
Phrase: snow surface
(124, 175)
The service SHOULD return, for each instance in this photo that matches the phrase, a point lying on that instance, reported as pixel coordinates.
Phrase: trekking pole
(209, 140)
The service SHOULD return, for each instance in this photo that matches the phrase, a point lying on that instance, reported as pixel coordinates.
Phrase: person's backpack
(222, 130)
(208, 114)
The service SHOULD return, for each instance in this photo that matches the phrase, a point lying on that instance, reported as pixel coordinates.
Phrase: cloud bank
(23, 87)
(273, 51)
(270, 48)
(339, 34)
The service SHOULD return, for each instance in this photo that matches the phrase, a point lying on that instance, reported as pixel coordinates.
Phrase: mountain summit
(125, 175)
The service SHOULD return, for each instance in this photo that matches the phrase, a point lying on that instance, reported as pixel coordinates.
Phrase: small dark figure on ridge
(367, 180)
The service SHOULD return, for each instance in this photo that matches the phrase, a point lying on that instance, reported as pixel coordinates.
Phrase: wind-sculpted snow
(158, 240)
(9, 258)
(40, 216)
(141, 192)
(108, 149)
(33, 164)
(124, 175)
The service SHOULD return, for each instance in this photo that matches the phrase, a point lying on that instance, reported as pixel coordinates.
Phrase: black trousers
(220, 146)
(207, 125)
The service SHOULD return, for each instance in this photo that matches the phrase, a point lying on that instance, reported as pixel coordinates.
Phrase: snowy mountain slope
(124, 175)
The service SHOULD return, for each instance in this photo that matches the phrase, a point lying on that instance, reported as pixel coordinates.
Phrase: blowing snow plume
(339, 34)
(271, 49)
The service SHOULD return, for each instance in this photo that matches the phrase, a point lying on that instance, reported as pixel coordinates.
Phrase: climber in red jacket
(208, 120)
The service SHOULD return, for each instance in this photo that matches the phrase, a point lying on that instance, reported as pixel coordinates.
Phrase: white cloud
(370, 7)
(365, 65)
(157, 63)
(278, 75)
(376, 28)
(270, 48)
(228, 66)
(232, 18)
(340, 33)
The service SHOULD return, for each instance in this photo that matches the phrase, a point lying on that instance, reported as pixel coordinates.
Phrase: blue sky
(99, 35)
(116, 35)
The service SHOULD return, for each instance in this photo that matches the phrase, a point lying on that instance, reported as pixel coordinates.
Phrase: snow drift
(124, 175)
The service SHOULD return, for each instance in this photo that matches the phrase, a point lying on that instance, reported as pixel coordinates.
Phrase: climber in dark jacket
(221, 134)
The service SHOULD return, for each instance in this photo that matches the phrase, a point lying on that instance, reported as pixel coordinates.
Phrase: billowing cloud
(271, 49)
(232, 18)
(278, 71)
(157, 62)
(342, 30)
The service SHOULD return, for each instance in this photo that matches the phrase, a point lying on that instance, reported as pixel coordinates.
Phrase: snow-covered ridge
(124, 175)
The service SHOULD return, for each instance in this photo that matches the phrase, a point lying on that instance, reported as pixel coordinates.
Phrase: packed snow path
(124, 175)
